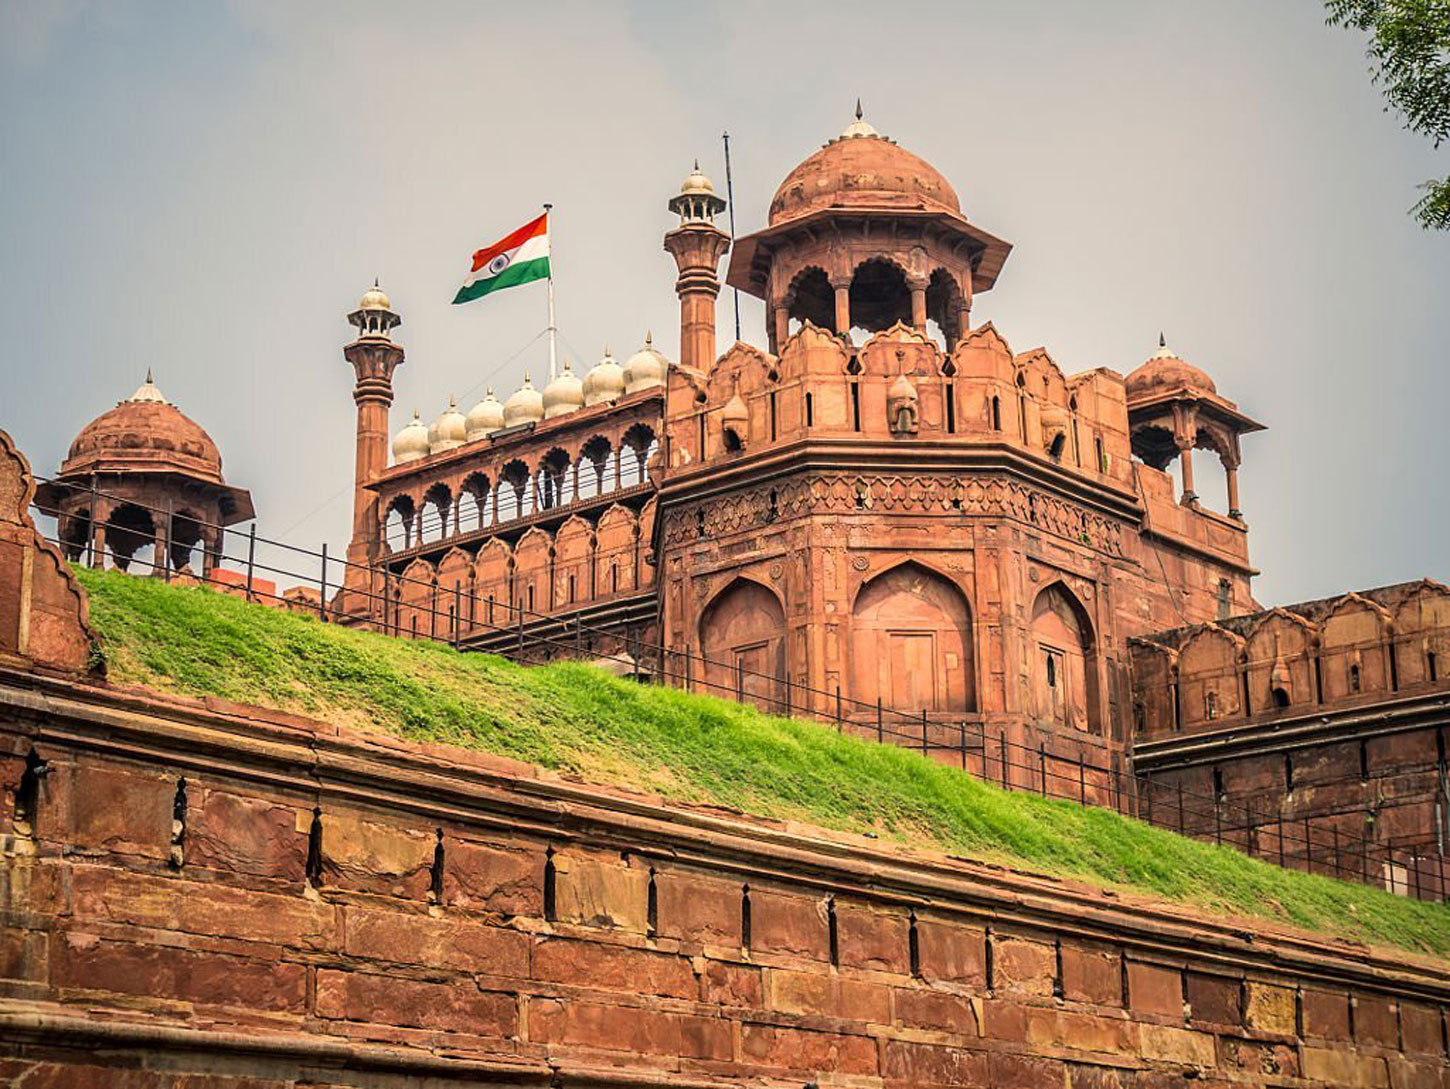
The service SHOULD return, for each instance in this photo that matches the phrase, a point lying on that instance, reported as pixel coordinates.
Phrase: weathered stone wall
(322, 908)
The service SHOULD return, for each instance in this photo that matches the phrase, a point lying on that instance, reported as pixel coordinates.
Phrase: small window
(951, 395)
(572, 588)
(1210, 705)
(1218, 790)
(810, 410)
(1281, 696)
(1051, 672)
(1430, 664)
(996, 413)
(855, 406)
(1102, 454)
(1225, 598)
(772, 425)
(733, 443)
(531, 597)
(1288, 772)
(1354, 678)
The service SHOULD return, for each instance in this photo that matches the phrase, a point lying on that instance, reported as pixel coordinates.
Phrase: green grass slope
(579, 720)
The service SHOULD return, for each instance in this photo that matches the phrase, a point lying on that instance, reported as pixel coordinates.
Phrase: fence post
(1334, 841)
(579, 635)
(880, 726)
(840, 722)
(1042, 767)
(962, 745)
(91, 527)
(740, 680)
(322, 585)
(521, 632)
(1281, 836)
(787, 694)
(1180, 808)
(1081, 781)
(923, 732)
(1415, 873)
(457, 614)
(1308, 847)
(1218, 818)
(251, 557)
(166, 550)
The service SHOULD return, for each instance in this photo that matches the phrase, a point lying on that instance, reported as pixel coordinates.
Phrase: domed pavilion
(143, 475)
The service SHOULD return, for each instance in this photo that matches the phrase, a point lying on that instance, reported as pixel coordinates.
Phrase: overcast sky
(207, 188)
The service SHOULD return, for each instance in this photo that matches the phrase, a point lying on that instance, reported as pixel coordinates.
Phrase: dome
(450, 429)
(525, 406)
(1165, 371)
(646, 368)
(146, 431)
(696, 184)
(374, 299)
(563, 395)
(411, 443)
(862, 169)
(604, 382)
(484, 417)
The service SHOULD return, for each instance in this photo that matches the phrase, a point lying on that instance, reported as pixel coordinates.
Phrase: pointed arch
(1064, 667)
(742, 639)
(911, 641)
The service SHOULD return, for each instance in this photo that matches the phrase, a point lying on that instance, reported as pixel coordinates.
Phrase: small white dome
(411, 443)
(565, 394)
(604, 382)
(646, 368)
(148, 392)
(859, 127)
(484, 417)
(525, 406)
(450, 429)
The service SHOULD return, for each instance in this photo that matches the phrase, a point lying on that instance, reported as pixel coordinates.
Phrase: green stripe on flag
(522, 273)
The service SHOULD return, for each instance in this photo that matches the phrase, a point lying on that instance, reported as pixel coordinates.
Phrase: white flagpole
(553, 331)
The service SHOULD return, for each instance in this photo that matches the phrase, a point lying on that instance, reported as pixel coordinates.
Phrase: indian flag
(517, 259)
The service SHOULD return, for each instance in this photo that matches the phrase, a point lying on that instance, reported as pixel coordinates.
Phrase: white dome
(484, 417)
(525, 406)
(565, 394)
(411, 443)
(604, 382)
(645, 368)
(148, 392)
(450, 429)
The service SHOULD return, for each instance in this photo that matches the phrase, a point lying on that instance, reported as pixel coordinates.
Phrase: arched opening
(593, 466)
(1280, 696)
(473, 502)
(911, 642)
(944, 309)
(640, 441)
(742, 639)
(437, 513)
(1064, 668)
(128, 529)
(516, 475)
(879, 297)
(812, 299)
(398, 523)
(553, 474)
(74, 531)
(184, 536)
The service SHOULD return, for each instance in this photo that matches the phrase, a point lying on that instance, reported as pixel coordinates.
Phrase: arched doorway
(911, 643)
(742, 639)
(1064, 662)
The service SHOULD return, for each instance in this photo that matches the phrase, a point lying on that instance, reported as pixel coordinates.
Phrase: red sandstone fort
(883, 509)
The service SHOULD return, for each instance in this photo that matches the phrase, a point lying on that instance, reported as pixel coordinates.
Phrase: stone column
(1185, 457)
(843, 308)
(1231, 476)
(918, 305)
(697, 247)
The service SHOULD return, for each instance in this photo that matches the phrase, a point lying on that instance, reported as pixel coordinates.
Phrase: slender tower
(374, 358)
(697, 246)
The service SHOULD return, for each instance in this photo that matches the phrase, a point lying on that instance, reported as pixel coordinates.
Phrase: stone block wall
(205, 895)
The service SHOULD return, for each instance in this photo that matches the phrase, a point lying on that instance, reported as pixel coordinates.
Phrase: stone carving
(902, 413)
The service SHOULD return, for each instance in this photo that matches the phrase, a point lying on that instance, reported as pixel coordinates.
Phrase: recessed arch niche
(911, 642)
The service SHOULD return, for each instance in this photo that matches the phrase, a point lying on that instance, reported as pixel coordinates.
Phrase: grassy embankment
(579, 721)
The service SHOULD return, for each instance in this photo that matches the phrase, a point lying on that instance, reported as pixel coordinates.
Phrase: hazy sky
(206, 189)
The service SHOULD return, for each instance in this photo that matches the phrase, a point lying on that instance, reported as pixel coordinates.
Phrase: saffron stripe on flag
(513, 241)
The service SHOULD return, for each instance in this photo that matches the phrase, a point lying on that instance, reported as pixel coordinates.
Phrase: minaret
(374, 357)
(697, 245)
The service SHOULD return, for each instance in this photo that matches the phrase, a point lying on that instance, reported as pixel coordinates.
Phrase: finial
(607, 352)
(697, 166)
(858, 108)
(649, 339)
(376, 284)
(487, 392)
(452, 402)
(149, 380)
(1162, 341)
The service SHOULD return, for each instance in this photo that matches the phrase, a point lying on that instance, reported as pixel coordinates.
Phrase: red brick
(591, 964)
(872, 939)
(1256, 1058)
(930, 1064)
(828, 995)
(951, 953)
(1421, 1030)
(406, 938)
(1024, 966)
(1009, 1071)
(455, 1006)
(785, 925)
(24, 954)
(937, 1010)
(242, 835)
(1154, 989)
(627, 1028)
(116, 810)
(1326, 1015)
(731, 985)
(1215, 999)
(482, 877)
(698, 909)
(375, 856)
(800, 1049)
(594, 892)
(1049, 1027)
(1089, 1076)
(1376, 1021)
(186, 975)
(1092, 974)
